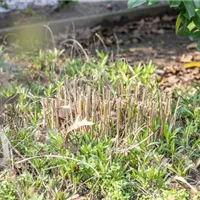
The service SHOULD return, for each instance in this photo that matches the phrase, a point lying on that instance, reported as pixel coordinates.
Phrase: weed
(99, 130)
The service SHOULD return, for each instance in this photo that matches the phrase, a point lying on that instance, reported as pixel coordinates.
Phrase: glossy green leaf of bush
(195, 35)
(197, 3)
(183, 31)
(191, 26)
(198, 12)
(175, 3)
(135, 3)
(196, 21)
(190, 7)
(151, 2)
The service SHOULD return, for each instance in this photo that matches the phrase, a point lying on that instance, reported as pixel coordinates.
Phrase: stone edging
(90, 21)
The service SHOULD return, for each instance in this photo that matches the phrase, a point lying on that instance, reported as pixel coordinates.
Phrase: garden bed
(92, 113)
(96, 129)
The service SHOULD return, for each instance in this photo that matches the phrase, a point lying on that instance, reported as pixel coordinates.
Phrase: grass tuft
(98, 129)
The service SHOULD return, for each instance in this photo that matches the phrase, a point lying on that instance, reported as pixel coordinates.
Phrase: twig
(52, 37)
(99, 37)
(79, 45)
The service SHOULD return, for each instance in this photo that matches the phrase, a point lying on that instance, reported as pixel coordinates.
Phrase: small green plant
(119, 71)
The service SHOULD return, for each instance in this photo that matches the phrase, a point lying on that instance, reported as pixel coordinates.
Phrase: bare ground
(150, 39)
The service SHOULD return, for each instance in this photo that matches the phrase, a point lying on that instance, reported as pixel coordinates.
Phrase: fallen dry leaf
(196, 57)
(192, 64)
(78, 124)
(160, 72)
(192, 46)
(168, 18)
(172, 79)
(186, 58)
(185, 78)
(162, 82)
(183, 182)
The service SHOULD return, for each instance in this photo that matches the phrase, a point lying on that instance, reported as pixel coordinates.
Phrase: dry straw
(107, 109)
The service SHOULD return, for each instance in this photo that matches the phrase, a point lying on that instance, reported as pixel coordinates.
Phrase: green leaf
(197, 3)
(151, 2)
(185, 18)
(198, 46)
(196, 20)
(195, 35)
(186, 15)
(198, 12)
(175, 3)
(183, 31)
(178, 23)
(135, 3)
(191, 26)
(190, 7)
